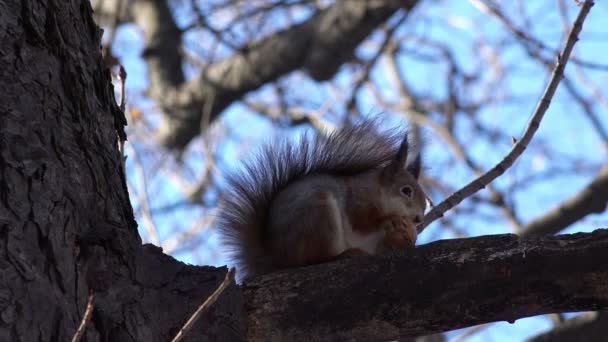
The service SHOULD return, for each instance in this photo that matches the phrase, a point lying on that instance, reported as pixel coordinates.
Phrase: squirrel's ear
(401, 158)
(415, 166)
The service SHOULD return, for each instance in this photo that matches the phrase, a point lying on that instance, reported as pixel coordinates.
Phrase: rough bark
(66, 224)
(436, 287)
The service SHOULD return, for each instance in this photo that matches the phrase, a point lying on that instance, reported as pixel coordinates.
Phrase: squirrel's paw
(400, 233)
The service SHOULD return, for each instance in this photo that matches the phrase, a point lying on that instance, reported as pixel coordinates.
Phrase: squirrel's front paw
(400, 233)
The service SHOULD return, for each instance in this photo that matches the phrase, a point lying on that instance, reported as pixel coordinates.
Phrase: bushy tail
(243, 219)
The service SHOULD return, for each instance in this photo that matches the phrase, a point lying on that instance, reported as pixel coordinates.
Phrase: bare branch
(592, 199)
(320, 45)
(533, 125)
(533, 47)
(88, 312)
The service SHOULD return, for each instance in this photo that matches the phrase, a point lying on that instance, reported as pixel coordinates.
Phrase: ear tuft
(415, 166)
(401, 157)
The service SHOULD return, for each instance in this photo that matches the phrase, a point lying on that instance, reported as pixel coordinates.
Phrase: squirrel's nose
(417, 219)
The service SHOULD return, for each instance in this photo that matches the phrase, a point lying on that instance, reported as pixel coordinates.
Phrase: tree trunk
(66, 225)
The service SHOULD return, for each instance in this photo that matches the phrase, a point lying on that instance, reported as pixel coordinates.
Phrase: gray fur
(244, 220)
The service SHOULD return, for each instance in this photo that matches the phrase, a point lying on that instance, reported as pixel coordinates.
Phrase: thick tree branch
(162, 53)
(436, 287)
(592, 199)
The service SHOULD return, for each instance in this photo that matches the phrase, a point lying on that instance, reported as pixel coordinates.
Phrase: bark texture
(66, 224)
(437, 287)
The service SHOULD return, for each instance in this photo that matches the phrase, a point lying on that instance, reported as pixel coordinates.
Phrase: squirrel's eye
(407, 191)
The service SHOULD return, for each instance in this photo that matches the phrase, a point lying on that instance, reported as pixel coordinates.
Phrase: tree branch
(85, 319)
(592, 199)
(590, 327)
(320, 45)
(437, 287)
(519, 147)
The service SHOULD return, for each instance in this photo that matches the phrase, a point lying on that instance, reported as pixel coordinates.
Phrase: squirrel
(354, 191)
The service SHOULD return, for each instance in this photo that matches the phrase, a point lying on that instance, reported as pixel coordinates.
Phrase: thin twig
(144, 199)
(88, 312)
(492, 9)
(533, 47)
(204, 307)
(533, 125)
